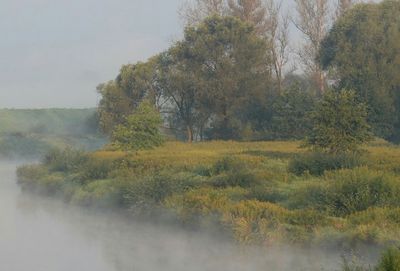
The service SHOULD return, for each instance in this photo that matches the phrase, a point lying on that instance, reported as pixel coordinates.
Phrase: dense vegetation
(219, 81)
(245, 187)
(33, 132)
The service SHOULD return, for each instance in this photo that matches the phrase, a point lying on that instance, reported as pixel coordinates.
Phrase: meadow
(254, 192)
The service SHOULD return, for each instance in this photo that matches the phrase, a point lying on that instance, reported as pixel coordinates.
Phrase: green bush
(349, 191)
(231, 172)
(97, 193)
(65, 160)
(150, 191)
(98, 169)
(316, 163)
(141, 130)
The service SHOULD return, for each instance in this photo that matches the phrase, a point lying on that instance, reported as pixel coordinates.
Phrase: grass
(246, 188)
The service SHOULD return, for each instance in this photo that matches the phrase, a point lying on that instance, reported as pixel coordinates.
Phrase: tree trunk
(189, 134)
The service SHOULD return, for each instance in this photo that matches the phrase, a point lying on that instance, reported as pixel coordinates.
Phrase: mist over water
(43, 234)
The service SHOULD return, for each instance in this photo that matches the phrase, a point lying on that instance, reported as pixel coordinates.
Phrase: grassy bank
(249, 189)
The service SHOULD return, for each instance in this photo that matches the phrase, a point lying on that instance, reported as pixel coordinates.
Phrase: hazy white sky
(53, 53)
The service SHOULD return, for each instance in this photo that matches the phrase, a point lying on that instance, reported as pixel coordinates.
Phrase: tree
(231, 67)
(339, 123)
(120, 97)
(291, 113)
(179, 84)
(140, 131)
(363, 49)
(113, 107)
(194, 12)
(313, 21)
(254, 12)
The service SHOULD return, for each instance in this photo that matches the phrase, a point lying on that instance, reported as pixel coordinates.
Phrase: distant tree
(113, 107)
(140, 131)
(120, 97)
(194, 12)
(339, 123)
(254, 12)
(363, 49)
(312, 20)
(291, 113)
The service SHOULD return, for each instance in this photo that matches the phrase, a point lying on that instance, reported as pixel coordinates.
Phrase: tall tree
(230, 66)
(252, 11)
(364, 49)
(120, 97)
(179, 85)
(313, 21)
(194, 12)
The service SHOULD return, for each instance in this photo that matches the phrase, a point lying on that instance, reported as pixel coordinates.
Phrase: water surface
(44, 234)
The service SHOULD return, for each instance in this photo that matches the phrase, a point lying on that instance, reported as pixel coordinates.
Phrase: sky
(53, 53)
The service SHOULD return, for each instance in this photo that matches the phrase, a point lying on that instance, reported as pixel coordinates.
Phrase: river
(44, 234)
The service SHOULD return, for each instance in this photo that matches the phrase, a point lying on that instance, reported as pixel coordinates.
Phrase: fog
(44, 234)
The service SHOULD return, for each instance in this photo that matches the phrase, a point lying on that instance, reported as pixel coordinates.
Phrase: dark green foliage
(390, 260)
(339, 123)
(96, 169)
(349, 192)
(231, 172)
(150, 191)
(291, 112)
(316, 163)
(213, 83)
(362, 49)
(141, 130)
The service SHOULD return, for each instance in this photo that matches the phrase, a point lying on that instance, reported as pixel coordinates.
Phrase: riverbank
(52, 235)
(246, 188)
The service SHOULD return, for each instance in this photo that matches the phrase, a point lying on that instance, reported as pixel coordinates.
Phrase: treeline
(31, 133)
(226, 78)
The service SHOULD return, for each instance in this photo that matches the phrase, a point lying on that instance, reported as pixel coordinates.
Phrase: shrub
(150, 191)
(96, 169)
(141, 130)
(231, 172)
(349, 191)
(98, 193)
(316, 163)
(67, 160)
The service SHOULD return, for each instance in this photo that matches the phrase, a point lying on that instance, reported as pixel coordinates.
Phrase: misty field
(263, 193)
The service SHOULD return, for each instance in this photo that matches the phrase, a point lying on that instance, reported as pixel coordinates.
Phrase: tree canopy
(363, 50)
